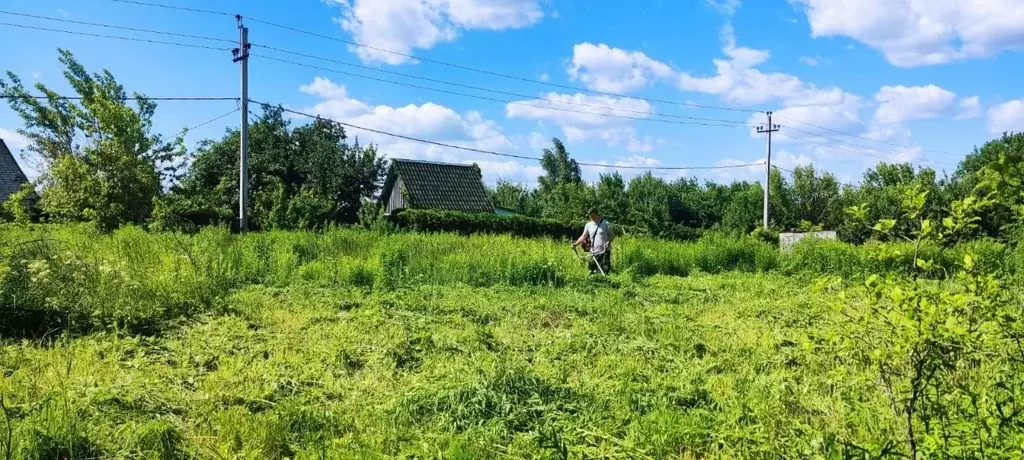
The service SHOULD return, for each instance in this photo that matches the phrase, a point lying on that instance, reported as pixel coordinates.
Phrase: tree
(882, 191)
(101, 162)
(515, 197)
(745, 210)
(649, 203)
(816, 199)
(306, 177)
(994, 168)
(612, 198)
(559, 168)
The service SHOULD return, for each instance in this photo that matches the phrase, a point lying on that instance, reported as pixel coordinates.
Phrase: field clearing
(711, 365)
(352, 344)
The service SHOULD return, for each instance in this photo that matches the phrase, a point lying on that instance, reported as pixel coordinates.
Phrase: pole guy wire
(858, 136)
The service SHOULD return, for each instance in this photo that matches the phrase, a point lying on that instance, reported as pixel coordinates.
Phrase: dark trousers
(605, 260)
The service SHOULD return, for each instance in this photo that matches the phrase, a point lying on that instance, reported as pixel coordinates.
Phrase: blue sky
(917, 80)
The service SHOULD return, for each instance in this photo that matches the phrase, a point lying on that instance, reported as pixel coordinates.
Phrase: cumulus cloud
(1007, 117)
(404, 25)
(921, 32)
(738, 81)
(970, 107)
(603, 68)
(588, 124)
(899, 104)
(428, 121)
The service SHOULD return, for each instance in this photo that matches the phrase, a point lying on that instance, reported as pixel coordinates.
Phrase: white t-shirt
(599, 234)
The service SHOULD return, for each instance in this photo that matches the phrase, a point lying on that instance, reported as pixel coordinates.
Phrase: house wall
(396, 200)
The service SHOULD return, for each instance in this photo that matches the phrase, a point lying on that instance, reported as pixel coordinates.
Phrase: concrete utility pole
(769, 129)
(241, 55)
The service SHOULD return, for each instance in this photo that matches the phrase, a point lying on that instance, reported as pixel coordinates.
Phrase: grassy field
(355, 345)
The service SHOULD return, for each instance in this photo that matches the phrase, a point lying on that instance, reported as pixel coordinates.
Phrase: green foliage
(20, 207)
(306, 177)
(102, 162)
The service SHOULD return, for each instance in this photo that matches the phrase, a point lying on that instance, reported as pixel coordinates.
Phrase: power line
(112, 26)
(491, 152)
(157, 98)
(861, 137)
(809, 141)
(504, 101)
(854, 145)
(444, 63)
(200, 125)
(477, 88)
(115, 37)
(172, 7)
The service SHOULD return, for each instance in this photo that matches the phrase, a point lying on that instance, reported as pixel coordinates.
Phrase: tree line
(103, 163)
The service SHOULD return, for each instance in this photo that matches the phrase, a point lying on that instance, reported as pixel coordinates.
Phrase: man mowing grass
(597, 236)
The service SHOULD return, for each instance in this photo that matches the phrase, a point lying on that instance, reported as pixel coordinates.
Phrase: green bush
(825, 257)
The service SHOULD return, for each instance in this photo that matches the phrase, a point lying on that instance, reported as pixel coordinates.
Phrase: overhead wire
(857, 152)
(112, 26)
(114, 37)
(212, 120)
(491, 152)
(477, 88)
(440, 62)
(859, 136)
(154, 98)
(503, 101)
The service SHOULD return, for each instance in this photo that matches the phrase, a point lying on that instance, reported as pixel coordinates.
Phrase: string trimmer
(589, 258)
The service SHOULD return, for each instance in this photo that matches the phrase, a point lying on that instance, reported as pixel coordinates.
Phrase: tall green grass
(55, 278)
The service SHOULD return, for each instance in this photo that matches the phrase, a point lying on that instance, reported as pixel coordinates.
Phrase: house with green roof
(414, 184)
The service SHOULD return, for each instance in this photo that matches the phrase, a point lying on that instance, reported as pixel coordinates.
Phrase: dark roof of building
(11, 175)
(431, 185)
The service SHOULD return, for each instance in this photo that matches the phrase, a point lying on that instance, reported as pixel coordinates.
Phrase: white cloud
(970, 107)
(1007, 117)
(922, 32)
(428, 121)
(403, 25)
(811, 61)
(538, 141)
(587, 124)
(898, 104)
(13, 139)
(614, 70)
(739, 82)
(728, 7)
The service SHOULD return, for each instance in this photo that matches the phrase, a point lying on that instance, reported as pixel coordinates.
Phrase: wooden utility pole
(769, 129)
(241, 56)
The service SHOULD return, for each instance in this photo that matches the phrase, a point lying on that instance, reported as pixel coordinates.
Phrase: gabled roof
(11, 176)
(430, 185)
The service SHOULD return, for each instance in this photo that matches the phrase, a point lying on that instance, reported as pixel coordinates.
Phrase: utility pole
(769, 129)
(241, 55)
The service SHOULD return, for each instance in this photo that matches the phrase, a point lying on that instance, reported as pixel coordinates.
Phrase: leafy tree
(102, 163)
(746, 206)
(881, 196)
(816, 199)
(995, 168)
(649, 203)
(612, 198)
(559, 168)
(306, 177)
(515, 197)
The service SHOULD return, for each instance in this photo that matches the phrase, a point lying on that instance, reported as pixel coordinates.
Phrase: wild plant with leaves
(938, 341)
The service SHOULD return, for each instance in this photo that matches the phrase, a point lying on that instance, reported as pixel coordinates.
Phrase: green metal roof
(445, 186)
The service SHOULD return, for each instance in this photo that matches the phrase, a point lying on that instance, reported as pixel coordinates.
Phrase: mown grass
(352, 344)
(712, 365)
